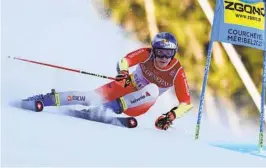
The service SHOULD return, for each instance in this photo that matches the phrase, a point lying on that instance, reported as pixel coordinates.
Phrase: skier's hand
(123, 76)
(165, 120)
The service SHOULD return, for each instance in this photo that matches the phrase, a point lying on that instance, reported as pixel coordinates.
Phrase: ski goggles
(164, 53)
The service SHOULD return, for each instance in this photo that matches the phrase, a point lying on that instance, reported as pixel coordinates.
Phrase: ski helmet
(165, 41)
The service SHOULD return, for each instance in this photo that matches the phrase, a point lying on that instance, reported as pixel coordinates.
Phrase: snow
(71, 33)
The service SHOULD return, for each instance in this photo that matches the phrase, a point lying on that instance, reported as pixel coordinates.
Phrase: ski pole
(60, 67)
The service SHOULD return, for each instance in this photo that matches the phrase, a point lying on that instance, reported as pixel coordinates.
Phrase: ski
(128, 122)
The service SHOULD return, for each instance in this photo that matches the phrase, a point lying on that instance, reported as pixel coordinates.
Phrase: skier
(133, 93)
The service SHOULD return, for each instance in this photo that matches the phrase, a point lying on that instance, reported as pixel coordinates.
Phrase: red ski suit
(146, 72)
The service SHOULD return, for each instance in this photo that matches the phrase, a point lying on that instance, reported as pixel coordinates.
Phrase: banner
(240, 22)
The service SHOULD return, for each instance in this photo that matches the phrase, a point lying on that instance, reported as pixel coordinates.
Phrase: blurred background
(238, 89)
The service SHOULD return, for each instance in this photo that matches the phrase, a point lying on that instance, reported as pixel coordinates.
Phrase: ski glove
(165, 120)
(123, 76)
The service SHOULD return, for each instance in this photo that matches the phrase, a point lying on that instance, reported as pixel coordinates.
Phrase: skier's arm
(182, 94)
(133, 58)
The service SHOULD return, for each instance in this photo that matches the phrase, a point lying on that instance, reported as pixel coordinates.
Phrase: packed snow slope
(71, 33)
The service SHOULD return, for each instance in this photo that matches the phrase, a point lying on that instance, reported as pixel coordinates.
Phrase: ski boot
(38, 102)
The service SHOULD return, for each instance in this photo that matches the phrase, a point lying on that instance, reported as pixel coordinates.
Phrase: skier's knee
(145, 95)
(153, 90)
(135, 103)
(140, 102)
(138, 110)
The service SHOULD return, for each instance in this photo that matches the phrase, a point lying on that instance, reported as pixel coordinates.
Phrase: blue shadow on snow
(243, 148)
